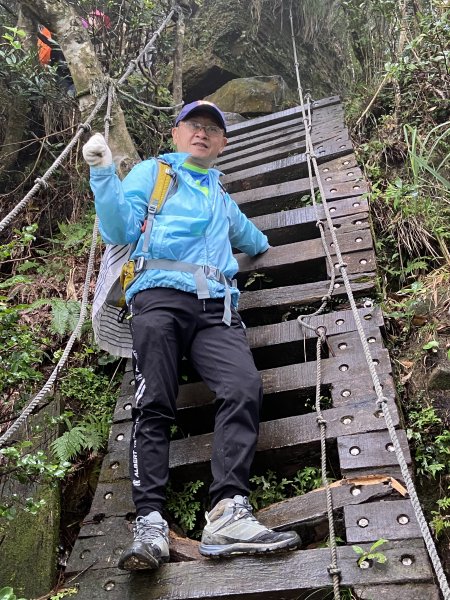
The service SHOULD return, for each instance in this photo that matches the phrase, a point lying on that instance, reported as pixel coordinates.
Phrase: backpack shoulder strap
(159, 195)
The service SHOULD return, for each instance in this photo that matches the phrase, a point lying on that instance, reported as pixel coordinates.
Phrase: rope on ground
(46, 389)
(382, 401)
(42, 181)
(333, 569)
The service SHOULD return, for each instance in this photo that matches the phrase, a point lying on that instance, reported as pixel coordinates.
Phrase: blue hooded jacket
(191, 227)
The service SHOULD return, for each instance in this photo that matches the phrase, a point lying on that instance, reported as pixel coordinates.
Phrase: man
(183, 303)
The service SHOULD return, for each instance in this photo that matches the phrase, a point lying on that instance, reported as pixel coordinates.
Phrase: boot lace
(244, 510)
(147, 532)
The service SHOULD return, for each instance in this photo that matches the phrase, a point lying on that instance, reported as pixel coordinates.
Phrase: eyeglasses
(210, 130)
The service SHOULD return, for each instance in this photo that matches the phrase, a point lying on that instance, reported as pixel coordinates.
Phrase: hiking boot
(150, 547)
(231, 529)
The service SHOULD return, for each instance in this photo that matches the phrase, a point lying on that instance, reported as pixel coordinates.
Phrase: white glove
(96, 152)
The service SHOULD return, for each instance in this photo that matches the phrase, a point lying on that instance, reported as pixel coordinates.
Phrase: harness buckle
(212, 272)
(139, 264)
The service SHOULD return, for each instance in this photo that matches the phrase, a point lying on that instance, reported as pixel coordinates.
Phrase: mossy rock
(252, 95)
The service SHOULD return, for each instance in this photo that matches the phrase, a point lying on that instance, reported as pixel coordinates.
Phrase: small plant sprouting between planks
(370, 555)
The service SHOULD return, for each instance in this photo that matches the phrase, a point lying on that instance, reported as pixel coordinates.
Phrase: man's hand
(96, 152)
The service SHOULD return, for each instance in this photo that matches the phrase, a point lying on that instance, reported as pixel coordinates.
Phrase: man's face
(203, 146)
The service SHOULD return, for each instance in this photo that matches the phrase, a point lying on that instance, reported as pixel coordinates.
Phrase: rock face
(224, 42)
(252, 96)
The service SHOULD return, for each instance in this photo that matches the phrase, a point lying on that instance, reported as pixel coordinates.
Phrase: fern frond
(70, 444)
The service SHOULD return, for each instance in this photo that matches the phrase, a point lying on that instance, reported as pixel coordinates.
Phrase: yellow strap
(163, 181)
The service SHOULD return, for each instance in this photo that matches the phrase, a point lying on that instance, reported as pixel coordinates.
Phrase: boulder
(252, 95)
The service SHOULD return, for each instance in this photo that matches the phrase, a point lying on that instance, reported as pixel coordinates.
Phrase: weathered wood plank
(279, 148)
(361, 389)
(252, 138)
(242, 145)
(321, 117)
(266, 578)
(408, 591)
(289, 226)
(300, 252)
(336, 323)
(292, 435)
(375, 520)
(277, 117)
(345, 216)
(282, 299)
(312, 507)
(279, 196)
(368, 451)
(282, 170)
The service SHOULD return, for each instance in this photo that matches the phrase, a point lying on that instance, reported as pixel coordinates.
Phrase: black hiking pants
(168, 324)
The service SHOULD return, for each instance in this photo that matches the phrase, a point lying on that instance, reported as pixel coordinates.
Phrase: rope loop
(319, 223)
(107, 119)
(332, 570)
(41, 182)
(321, 421)
(381, 402)
(321, 333)
(85, 127)
(326, 298)
(341, 265)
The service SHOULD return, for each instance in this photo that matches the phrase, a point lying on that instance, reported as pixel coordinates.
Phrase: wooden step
(265, 578)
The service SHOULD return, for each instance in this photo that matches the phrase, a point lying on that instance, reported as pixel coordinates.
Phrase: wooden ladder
(266, 173)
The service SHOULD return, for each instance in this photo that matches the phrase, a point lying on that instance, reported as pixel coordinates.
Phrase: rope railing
(382, 401)
(109, 97)
(333, 569)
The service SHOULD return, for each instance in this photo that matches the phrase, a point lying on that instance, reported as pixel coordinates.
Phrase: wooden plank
(273, 198)
(239, 128)
(336, 323)
(100, 545)
(238, 143)
(110, 500)
(266, 578)
(361, 389)
(261, 158)
(286, 142)
(292, 435)
(282, 299)
(267, 124)
(375, 451)
(375, 520)
(289, 226)
(311, 507)
(330, 124)
(304, 251)
(342, 213)
(282, 170)
(407, 591)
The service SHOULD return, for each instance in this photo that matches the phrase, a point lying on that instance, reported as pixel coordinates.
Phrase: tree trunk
(178, 60)
(85, 70)
(16, 115)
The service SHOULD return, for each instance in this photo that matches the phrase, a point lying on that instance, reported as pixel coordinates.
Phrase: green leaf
(430, 345)
(377, 544)
(358, 550)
